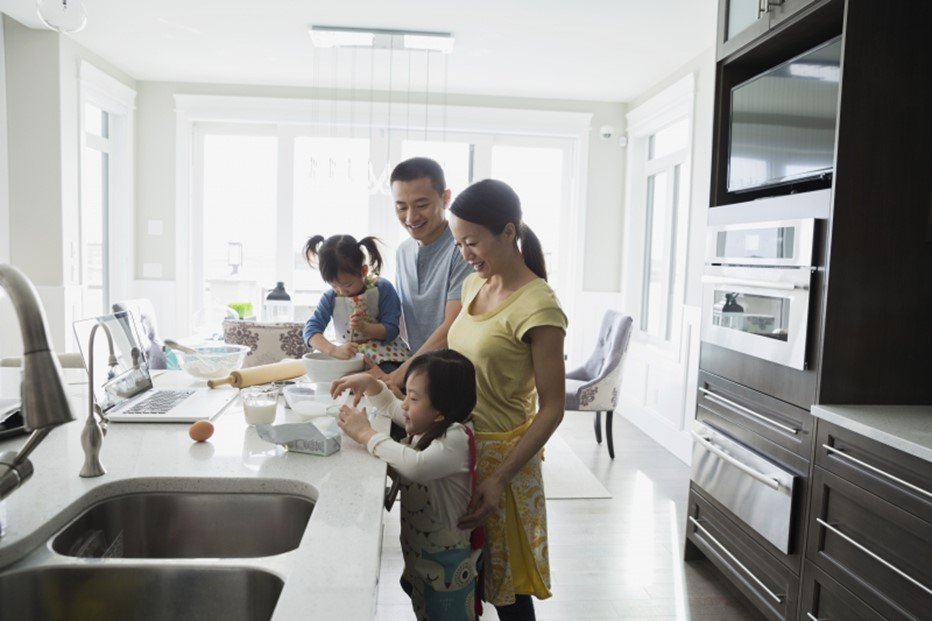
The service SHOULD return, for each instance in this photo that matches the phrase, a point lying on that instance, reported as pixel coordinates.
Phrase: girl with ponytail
(511, 327)
(365, 309)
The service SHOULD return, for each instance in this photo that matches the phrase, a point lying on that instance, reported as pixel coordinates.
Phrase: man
(429, 268)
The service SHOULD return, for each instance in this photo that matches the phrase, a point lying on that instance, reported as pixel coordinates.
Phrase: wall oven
(756, 286)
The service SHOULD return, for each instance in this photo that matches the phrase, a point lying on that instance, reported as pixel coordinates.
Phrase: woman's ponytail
(494, 204)
(532, 251)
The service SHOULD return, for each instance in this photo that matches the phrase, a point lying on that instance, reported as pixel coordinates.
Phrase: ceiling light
(66, 16)
(378, 38)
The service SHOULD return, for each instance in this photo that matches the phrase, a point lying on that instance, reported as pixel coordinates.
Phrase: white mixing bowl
(322, 368)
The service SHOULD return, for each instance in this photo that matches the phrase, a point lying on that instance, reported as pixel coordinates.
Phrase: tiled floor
(618, 558)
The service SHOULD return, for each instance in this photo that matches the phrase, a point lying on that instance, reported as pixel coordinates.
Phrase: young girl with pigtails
(364, 308)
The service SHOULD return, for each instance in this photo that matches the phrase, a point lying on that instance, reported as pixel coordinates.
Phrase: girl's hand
(359, 323)
(345, 351)
(358, 384)
(484, 501)
(356, 424)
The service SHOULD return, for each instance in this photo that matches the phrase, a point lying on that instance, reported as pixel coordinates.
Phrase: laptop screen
(125, 375)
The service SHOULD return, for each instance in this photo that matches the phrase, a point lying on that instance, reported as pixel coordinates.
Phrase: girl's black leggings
(521, 610)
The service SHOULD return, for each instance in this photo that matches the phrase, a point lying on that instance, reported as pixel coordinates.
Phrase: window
(657, 211)
(261, 188)
(105, 249)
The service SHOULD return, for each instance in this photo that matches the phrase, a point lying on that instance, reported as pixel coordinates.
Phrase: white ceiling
(602, 50)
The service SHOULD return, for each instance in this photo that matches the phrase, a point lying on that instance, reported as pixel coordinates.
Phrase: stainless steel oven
(756, 285)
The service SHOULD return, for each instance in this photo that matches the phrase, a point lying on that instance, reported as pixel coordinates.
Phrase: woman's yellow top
(505, 390)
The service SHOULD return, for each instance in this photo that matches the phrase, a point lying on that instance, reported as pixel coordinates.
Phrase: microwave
(756, 288)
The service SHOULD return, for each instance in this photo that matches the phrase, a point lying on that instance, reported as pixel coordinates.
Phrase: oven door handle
(770, 482)
(748, 282)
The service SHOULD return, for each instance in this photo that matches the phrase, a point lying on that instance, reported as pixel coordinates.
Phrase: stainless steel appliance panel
(756, 490)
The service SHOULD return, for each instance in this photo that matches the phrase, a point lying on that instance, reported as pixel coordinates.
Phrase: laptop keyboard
(159, 403)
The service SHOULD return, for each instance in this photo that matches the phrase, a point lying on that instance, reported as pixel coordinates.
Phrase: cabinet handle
(812, 617)
(761, 8)
(759, 476)
(722, 400)
(873, 555)
(773, 596)
(877, 470)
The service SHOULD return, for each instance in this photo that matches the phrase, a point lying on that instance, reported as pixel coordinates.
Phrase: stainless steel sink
(187, 525)
(146, 593)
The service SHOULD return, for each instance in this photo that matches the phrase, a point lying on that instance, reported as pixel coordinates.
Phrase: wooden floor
(618, 558)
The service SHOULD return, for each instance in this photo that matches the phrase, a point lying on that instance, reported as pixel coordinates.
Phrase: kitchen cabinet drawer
(895, 476)
(823, 599)
(769, 585)
(872, 547)
(746, 414)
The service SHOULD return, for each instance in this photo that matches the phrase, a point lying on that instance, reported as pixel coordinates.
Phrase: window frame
(105, 92)
(660, 111)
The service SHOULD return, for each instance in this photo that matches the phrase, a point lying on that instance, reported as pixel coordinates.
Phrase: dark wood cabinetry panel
(822, 599)
(749, 416)
(763, 579)
(873, 548)
(877, 336)
(897, 477)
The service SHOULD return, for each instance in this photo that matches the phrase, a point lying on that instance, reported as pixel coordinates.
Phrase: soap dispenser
(278, 307)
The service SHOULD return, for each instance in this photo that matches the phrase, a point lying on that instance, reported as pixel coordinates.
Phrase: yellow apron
(515, 557)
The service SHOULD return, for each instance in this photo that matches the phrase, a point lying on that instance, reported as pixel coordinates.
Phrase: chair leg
(598, 427)
(608, 433)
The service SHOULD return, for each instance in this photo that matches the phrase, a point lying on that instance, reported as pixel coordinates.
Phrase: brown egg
(201, 430)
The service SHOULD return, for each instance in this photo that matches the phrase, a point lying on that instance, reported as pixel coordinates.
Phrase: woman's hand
(355, 423)
(344, 351)
(358, 383)
(484, 501)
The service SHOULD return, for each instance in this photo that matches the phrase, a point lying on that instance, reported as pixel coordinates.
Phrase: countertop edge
(902, 427)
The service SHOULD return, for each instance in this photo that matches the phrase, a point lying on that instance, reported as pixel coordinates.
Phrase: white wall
(43, 150)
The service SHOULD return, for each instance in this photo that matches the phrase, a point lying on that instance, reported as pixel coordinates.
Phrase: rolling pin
(263, 374)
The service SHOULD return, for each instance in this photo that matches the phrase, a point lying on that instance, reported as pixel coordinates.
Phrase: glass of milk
(259, 404)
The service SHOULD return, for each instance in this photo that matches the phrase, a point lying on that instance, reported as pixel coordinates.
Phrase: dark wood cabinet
(871, 547)
(750, 416)
(822, 599)
(869, 338)
(762, 578)
(742, 22)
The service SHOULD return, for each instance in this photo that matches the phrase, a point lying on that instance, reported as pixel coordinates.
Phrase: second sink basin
(140, 593)
(187, 525)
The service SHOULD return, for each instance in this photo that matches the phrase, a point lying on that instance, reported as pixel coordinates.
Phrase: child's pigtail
(311, 249)
(375, 258)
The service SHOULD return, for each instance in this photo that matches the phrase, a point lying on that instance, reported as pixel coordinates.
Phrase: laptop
(123, 385)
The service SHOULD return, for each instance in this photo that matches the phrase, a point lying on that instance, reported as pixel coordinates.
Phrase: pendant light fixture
(417, 49)
(65, 16)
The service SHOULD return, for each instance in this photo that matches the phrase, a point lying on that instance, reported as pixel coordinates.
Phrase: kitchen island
(332, 574)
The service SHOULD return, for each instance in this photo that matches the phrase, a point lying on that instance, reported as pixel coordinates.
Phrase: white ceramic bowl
(309, 400)
(323, 368)
(213, 361)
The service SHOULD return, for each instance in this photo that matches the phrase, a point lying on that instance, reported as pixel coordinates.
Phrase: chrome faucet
(92, 436)
(44, 401)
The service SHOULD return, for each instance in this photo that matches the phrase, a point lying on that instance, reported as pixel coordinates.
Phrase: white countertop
(334, 571)
(904, 427)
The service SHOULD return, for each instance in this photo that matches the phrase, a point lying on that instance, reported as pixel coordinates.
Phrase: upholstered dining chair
(268, 342)
(594, 386)
(147, 329)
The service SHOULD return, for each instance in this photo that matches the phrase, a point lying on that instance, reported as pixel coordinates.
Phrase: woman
(512, 328)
